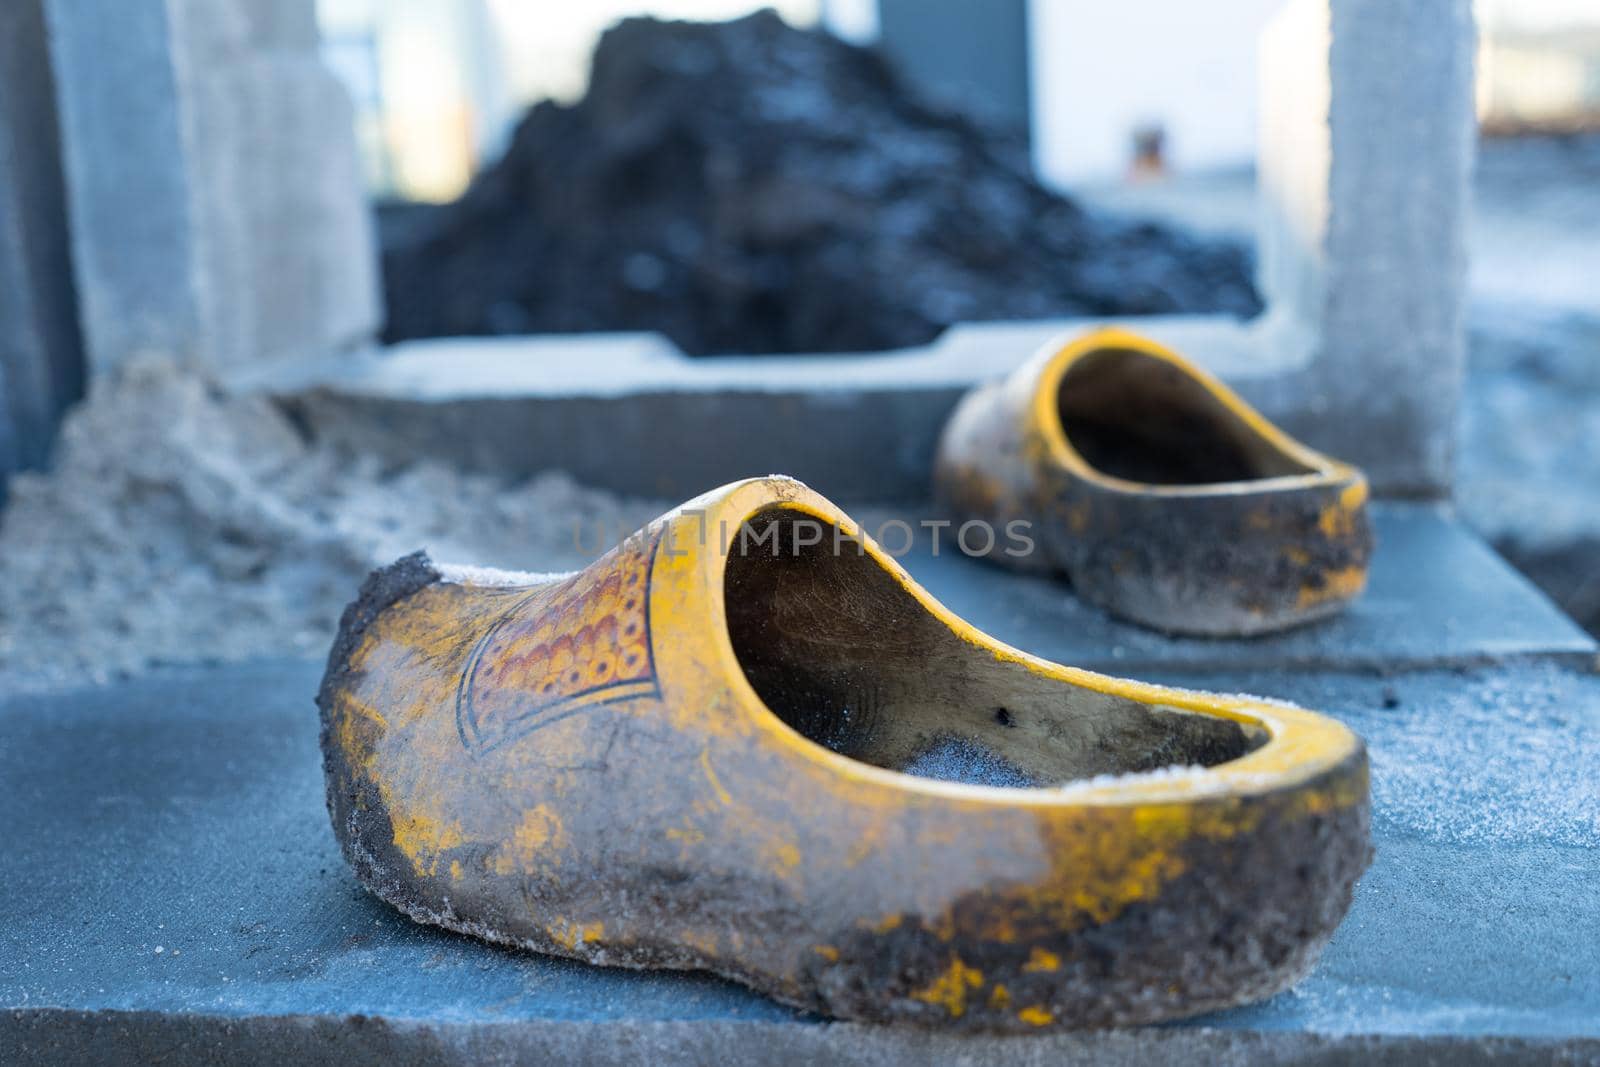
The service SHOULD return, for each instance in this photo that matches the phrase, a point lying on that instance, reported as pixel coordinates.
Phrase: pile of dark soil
(750, 187)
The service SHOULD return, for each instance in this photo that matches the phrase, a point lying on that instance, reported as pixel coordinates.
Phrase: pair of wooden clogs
(746, 741)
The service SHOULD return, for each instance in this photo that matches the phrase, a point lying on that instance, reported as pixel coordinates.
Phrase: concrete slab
(1437, 595)
(859, 427)
(173, 890)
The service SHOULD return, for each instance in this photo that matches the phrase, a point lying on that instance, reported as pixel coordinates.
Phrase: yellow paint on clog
(951, 988)
(1041, 960)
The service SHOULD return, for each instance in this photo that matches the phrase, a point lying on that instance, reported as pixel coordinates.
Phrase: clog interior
(840, 651)
(1139, 418)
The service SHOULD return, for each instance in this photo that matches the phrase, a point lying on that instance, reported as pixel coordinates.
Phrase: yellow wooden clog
(692, 754)
(1163, 496)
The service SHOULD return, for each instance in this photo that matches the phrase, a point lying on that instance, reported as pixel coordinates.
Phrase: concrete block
(602, 407)
(1365, 160)
(41, 359)
(630, 412)
(218, 212)
(179, 897)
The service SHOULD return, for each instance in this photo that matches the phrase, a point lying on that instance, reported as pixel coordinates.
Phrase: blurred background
(439, 84)
(1141, 110)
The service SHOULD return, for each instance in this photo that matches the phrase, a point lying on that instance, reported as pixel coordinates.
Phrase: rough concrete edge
(417, 398)
(624, 363)
(54, 1035)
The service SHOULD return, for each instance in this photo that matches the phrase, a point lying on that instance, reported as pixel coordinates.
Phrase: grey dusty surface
(1436, 594)
(173, 889)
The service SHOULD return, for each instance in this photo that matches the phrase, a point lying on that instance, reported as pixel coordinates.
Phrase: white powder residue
(467, 574)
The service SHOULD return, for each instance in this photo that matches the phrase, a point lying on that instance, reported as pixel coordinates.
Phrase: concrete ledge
(1437, 596)
(174, 892)
(629, 412)
(53, 1037)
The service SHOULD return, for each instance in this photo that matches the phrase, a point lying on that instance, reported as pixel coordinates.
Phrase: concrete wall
(216, 196)
(1367, 147)
(41, 361)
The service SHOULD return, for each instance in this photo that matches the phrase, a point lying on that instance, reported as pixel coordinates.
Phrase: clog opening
(837, 648)
(1134, 416)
